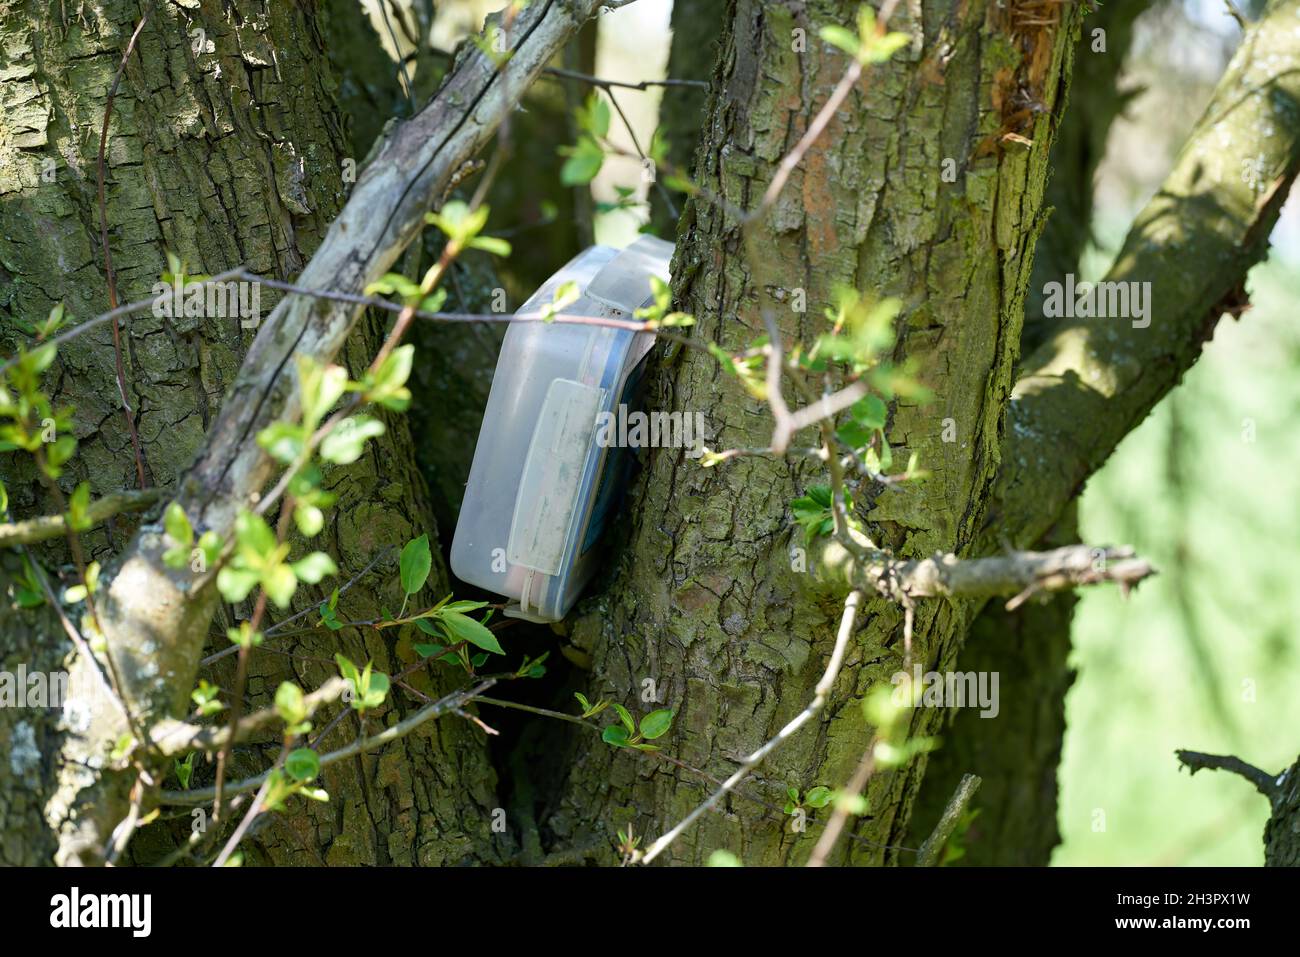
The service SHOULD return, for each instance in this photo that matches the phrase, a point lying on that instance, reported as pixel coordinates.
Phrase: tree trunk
(233, 154)
(1016, 756)
(710, 601)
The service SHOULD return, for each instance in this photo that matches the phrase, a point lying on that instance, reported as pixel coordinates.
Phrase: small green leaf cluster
(586, 157)
(658, 314)
(749, 366)
(891, 719)
(814, 512)
(870, 44)
(259, 559)
(29, 421)
(815, 797)
(369, 688)
(628, 734)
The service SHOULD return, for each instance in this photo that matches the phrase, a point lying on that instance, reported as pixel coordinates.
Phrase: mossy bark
(225, 148)
(1017, 755)
(709, 602)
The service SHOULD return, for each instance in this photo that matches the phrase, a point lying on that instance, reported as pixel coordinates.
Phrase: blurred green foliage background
(1205, 656)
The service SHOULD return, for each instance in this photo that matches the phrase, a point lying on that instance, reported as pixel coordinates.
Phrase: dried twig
(108, 257)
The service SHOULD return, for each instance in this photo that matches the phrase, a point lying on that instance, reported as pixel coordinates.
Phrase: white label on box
(552, 478)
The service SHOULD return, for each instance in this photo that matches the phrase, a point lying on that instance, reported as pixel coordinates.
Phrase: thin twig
(606, 84)
(452, 701)
(839, 817)
(820, 694)
(108, 256)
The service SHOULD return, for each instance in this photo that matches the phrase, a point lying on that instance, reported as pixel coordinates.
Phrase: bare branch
(1265, 783)
(1020, 574)
(45, 527)
(928, 856)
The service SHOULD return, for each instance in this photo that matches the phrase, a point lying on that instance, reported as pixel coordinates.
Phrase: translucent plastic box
(541, 487)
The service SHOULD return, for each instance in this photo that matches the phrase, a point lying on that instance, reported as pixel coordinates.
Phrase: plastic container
(541, 486)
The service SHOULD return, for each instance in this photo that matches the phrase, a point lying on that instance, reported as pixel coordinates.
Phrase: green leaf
(846, 40)
(289, 703)
(464, 628)
(615, 734)
(394, 283)
(235, 583)
(185, 769)
(434, 301)
(78, 521)
(656, 724)
(253, 535)
(626, 718)
(347, 669)
(880, 50)
(309, 519)
(320, 387)
(314, 567)
(210, 546)
(853, 435)
(303, 764)
(389, 388)
(283, 441)
(464, 606)
(869, 412)
(583, 163)
(428, 627)
(60, 450)
(279, 582)
(819, 796)
(244, 636)
(177, 525)
(489, 244)
(345, 443)
(415, 564)
(376, 689)
(458, 221)
(594, 115)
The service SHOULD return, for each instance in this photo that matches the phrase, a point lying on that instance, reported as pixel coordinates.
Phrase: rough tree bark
(870, 207)
(230, 155)
(1017, 755)
(710, 601)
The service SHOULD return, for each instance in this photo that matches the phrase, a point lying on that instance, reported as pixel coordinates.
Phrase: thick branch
(1092, 382)
(54, 526)
(1021, 574)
